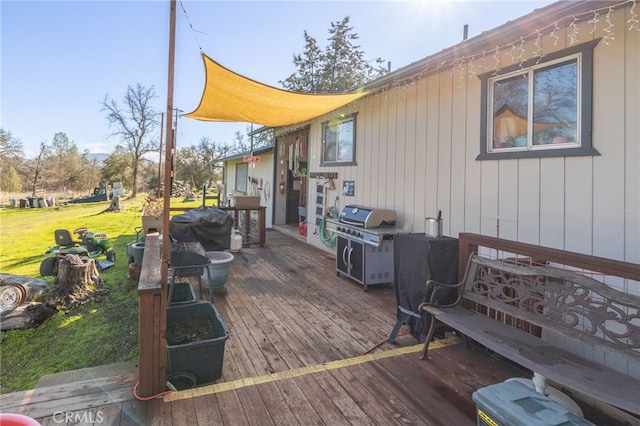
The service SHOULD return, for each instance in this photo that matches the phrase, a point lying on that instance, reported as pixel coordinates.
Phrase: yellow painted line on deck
(332, 365)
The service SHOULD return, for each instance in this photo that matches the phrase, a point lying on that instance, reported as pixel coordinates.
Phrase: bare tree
(10, 161)
(10, 147)
(134, 123)
(38, 166)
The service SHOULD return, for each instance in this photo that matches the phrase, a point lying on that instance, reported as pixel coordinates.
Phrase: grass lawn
(101, 332)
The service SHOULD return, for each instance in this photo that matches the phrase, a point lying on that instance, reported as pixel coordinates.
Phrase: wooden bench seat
(578, 308)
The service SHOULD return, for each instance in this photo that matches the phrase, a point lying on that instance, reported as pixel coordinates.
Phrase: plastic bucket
(137, 251)
(220, 261)
(13, 202)
(42, 202)
(182, 380)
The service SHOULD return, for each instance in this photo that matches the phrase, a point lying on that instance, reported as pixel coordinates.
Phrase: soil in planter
(189, 330)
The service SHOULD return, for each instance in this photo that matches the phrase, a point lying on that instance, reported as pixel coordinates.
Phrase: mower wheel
(111, 256)
(49, 267)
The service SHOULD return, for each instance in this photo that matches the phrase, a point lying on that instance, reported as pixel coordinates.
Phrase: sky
(59, 59)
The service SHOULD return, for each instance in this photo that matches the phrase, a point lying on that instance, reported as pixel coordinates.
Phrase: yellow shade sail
(231, 97)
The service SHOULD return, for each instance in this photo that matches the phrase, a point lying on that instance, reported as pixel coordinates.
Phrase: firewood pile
(179, 189)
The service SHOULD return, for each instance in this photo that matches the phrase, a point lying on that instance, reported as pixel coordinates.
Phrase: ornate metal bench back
(548, 297)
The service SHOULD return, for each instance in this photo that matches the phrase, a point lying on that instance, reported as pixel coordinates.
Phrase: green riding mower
(89, 244)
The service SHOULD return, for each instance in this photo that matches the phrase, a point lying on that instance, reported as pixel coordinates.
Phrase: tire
(49, 267)
(111, 256)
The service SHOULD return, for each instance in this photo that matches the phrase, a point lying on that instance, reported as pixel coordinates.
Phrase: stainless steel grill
(373, 237)
(365, 244)
(365, 224)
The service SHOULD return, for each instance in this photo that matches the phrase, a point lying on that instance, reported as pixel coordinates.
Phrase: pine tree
(340, 68)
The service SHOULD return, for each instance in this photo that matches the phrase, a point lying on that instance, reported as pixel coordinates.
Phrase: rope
(193, 31)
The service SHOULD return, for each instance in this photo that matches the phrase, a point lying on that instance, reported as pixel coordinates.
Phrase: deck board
(297, 331)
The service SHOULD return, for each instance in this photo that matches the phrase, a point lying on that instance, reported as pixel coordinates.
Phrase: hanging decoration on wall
(266, 192)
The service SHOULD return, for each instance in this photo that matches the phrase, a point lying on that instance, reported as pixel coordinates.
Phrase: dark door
(293, 197)
(342, 254)
(356, 258)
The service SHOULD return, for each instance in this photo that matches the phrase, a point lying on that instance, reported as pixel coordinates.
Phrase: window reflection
(338, 140)
(555, 104)
(553, 110)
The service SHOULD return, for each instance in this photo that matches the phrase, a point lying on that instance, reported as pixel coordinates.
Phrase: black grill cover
(209, 226)
(419, 258)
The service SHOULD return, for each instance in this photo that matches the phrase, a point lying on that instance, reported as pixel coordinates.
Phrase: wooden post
(152, 363)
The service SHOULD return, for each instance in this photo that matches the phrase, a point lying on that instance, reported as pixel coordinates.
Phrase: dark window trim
(353, 162)
(586, 142)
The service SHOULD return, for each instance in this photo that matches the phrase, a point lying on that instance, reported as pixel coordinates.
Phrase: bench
(561, 305)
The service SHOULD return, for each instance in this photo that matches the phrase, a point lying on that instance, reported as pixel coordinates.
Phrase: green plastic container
(182, 294)
(202, 358)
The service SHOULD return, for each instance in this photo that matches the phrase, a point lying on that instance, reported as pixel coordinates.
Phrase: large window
(339, 141)
(242, 176)
(539, 109)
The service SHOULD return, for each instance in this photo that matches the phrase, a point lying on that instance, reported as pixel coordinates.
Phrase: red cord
(381, 342)
(147, 398)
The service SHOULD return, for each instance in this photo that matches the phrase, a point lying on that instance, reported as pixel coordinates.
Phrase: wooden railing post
(152, 322)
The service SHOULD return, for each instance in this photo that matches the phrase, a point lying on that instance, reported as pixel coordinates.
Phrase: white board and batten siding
(260, 171)
(416, 148)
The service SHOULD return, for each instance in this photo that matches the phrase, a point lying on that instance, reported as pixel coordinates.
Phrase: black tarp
(209, 226)
(418, 258)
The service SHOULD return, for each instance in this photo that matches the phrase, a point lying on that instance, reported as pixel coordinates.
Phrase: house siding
(416, 148)
(261, 171)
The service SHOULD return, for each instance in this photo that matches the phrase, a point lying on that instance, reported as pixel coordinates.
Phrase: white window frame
(337, 124)
(242, 177)
(583, 57)
(529, 74)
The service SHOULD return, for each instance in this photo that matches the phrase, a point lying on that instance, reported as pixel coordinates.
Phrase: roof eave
(488, 40)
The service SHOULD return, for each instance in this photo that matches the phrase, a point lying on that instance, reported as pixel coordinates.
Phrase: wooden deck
(294, 356)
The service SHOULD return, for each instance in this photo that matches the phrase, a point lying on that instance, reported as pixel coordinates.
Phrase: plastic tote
(202, 358)
(515, 404)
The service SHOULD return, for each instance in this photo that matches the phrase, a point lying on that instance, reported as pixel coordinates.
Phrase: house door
(293, 197)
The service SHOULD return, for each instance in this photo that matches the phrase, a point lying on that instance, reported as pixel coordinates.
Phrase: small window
(242, 175)
(339, 141)
(539, 109)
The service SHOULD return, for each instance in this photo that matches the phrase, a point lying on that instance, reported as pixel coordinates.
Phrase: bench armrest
(435, 287)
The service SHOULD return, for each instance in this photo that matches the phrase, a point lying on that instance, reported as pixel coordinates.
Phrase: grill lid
(367, 217)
